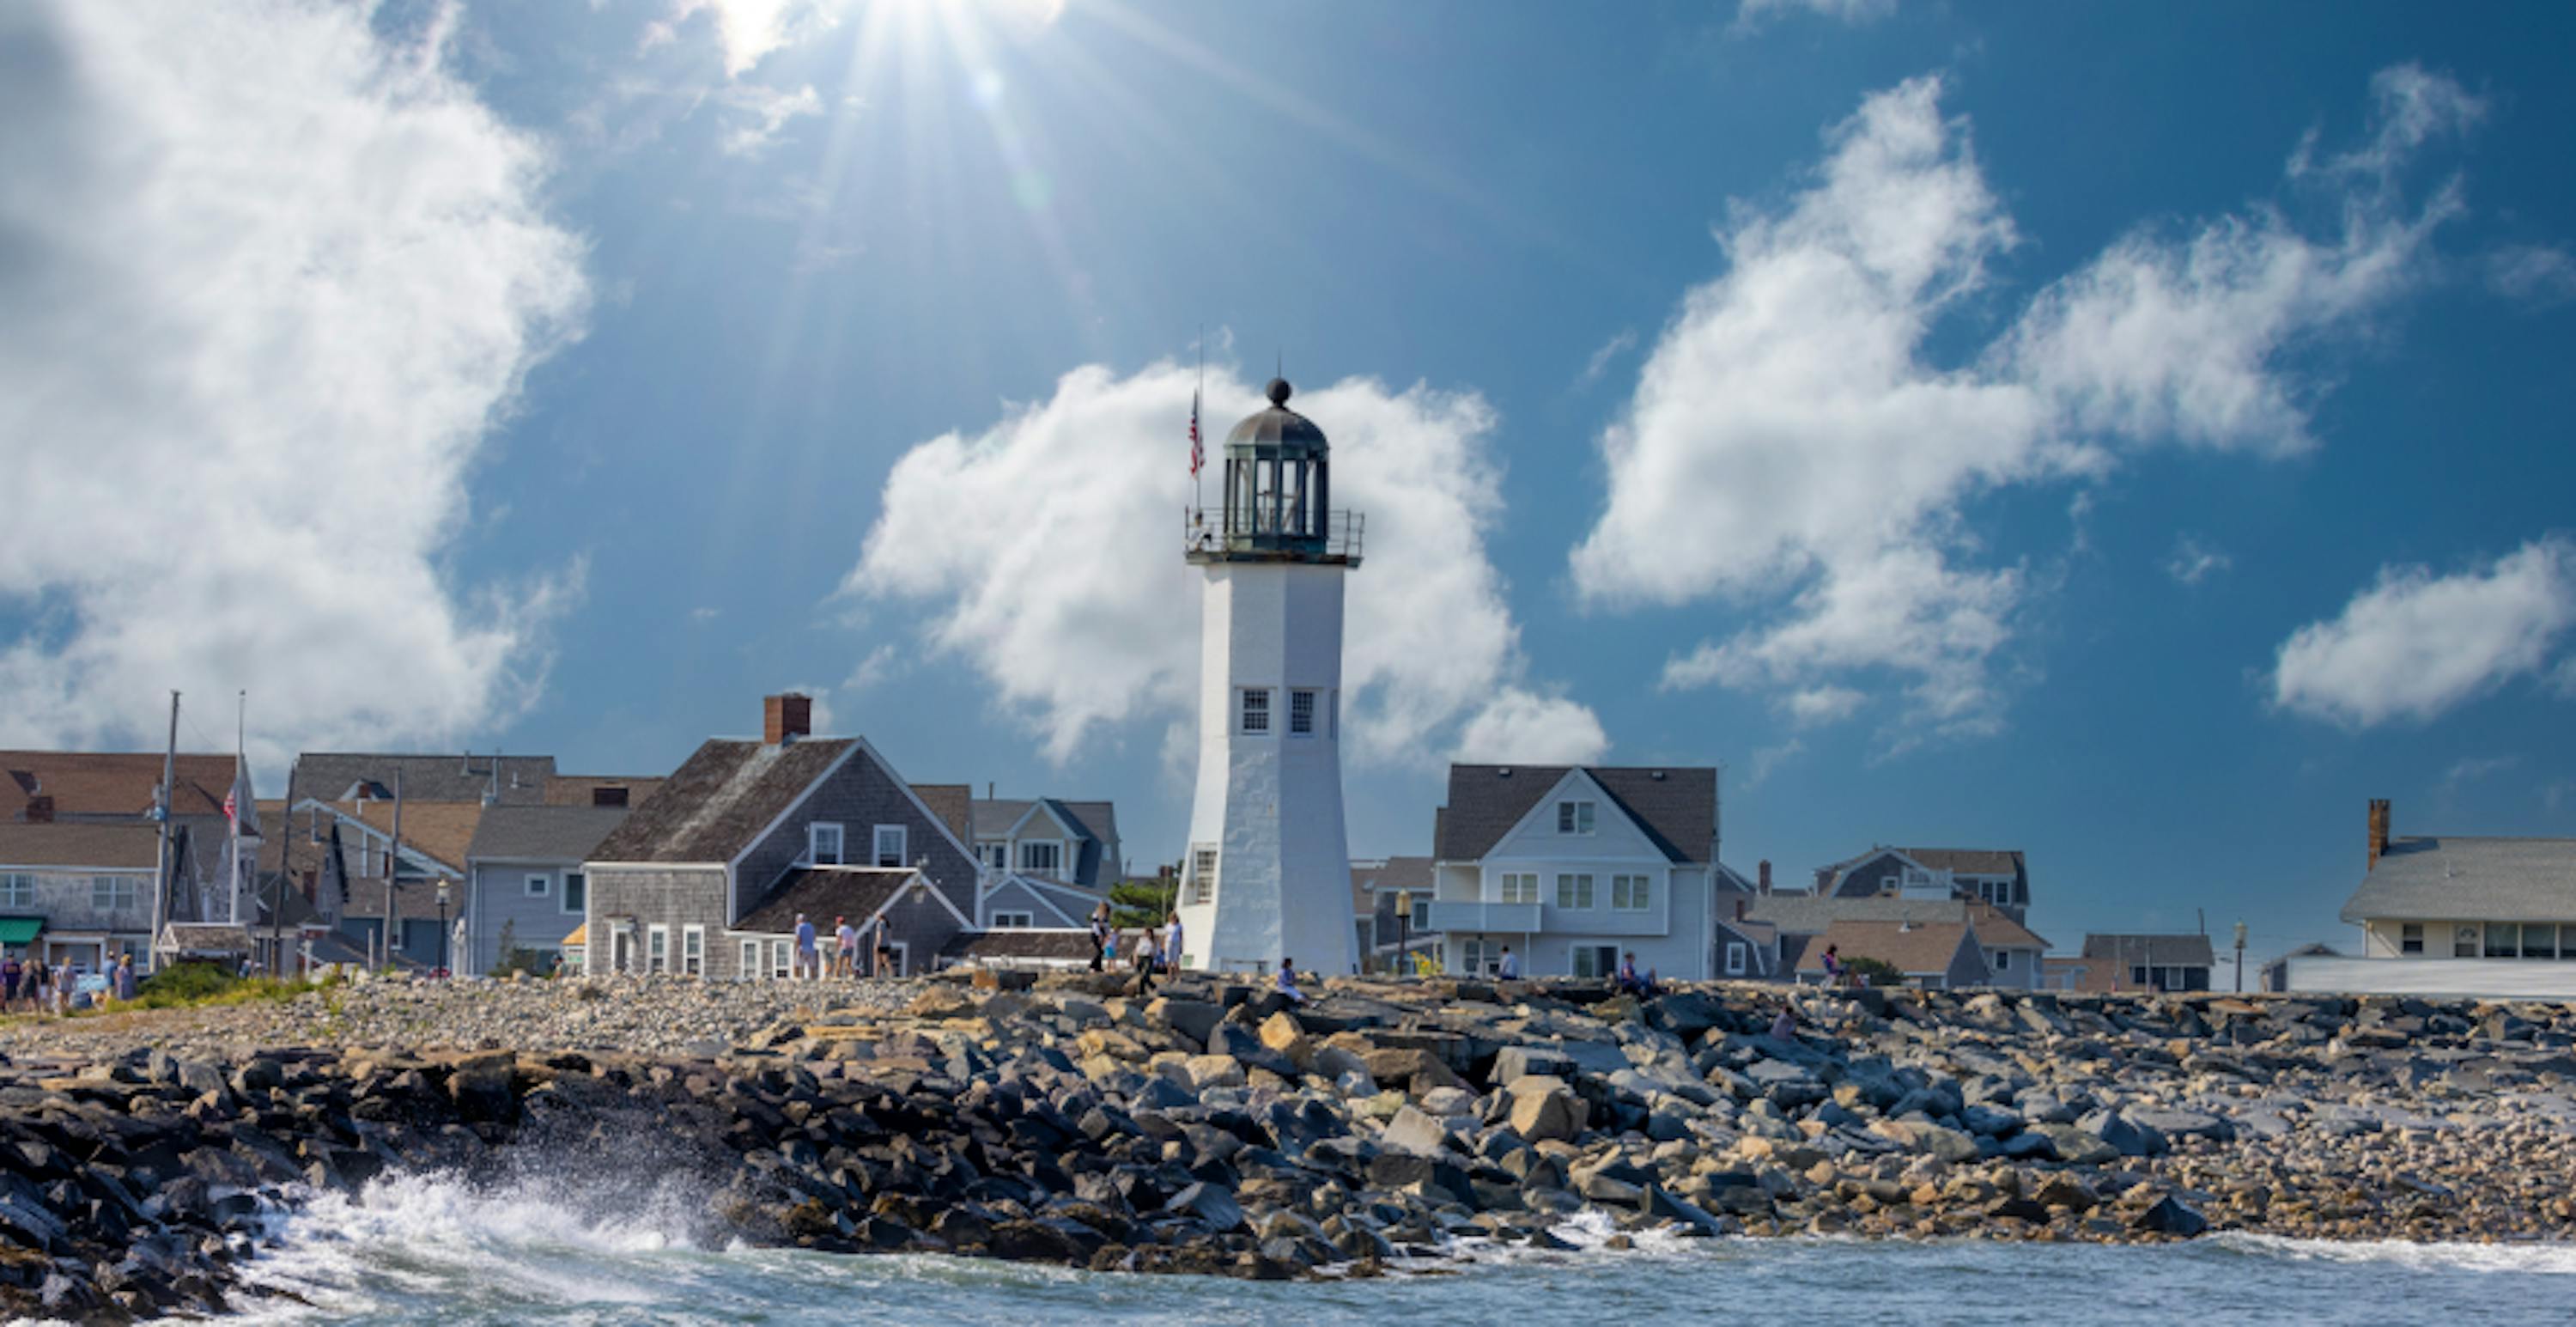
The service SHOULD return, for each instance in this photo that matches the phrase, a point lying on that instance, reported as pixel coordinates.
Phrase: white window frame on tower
(1301, 713)
(1253, 712)
(1203, 864)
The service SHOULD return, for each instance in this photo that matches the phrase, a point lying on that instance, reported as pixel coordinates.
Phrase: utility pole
(393, 868)
(161, 867)
(2240, 958)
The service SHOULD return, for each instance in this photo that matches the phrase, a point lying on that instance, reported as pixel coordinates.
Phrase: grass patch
(198, 985)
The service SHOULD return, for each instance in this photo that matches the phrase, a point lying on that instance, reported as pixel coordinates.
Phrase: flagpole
(241, 724)
(1198, 440)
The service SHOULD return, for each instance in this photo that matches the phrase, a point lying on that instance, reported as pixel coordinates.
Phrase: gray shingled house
(705, 874)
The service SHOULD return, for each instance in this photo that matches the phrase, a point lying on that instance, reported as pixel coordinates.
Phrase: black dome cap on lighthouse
(1277, 425)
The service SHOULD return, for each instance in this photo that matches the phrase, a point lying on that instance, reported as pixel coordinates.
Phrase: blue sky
(2134, 435)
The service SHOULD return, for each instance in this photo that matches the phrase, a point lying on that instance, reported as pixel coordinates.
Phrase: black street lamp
(443, 955)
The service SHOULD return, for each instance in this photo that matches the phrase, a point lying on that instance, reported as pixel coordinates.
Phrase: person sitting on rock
(1510, 969)
(1288, 981)
(1785, 1026)
(1628, 982)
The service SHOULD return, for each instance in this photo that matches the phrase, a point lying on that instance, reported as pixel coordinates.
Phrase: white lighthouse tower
(1268, 873)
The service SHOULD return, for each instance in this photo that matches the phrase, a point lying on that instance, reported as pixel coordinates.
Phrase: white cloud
(2193, 561)
(2414, 645)
(1768, 760)
(882, 664)
(2535, 274)
(748, 30)
(770, 110)
(254, 344)
(2470, 769)
(1611, 349)
(1752, 13)
(1050, 547)
(1793, 447)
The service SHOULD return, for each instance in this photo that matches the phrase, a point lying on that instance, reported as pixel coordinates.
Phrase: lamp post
(443, 955)
(2240, 958)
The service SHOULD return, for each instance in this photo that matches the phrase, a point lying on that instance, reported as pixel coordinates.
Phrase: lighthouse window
(1256, 711)
(1301, 713)
(1202, 874)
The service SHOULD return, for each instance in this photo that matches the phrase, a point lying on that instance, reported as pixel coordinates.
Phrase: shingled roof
(822, 893)
(1968, 861)
(465, 777)
(1806, 914)
(1676, 807)
(1050, 944)
(110, 783)
(543, 833)
(2457, 878)
(713, 806)
(108, 847)
(953, 803)
(2155, 951)
(1913, 949)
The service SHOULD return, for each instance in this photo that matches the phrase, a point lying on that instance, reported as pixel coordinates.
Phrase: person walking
(1172, 944)
(1288, 981)
(885, 951)
(807, 960)
(11, 970)
(63, 982)
(126, 988)
(1144, 966)
(1099, 936)
(845, 948)
(1833, 965)
(41, 985)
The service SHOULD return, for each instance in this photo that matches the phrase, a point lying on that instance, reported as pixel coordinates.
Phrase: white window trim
(1737, 952)
(813, 843)
(1575, 947)
(1051, 868)
(1591, 891)
(17, 890)
(749, 961)
(539, 884)
(1644, 894)
(572, 907)
(902, 845)
(1014, 920)
(1244, 714)
(1314, 712)
(692, 937)
(1585, 815)
(1203, 874)
(1503, 886)
(782, 960)
(652, 962)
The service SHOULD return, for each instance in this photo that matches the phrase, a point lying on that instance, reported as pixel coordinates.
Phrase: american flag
(1198, 454)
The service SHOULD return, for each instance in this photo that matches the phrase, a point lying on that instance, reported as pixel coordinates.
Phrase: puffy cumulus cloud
(2414, 644)
(1049, 546)
(253, 345)
(1792, 447)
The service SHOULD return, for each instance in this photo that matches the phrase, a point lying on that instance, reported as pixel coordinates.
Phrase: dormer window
(1040, 858)
(823, 844)
(1574, 817)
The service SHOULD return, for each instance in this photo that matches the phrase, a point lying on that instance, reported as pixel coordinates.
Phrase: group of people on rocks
(1156, 949)
(854, 953)
(33, 986)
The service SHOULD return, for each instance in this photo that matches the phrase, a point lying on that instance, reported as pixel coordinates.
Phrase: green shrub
(1879, 971)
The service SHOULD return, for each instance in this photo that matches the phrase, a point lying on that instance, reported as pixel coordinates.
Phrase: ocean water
(424, 1250)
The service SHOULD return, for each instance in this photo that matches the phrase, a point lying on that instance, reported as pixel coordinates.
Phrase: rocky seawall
(145, 1161)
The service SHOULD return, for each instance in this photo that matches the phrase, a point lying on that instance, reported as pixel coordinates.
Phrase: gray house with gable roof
(707, 875)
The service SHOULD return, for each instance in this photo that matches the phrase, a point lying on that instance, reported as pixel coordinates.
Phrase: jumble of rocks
(1212, 1128)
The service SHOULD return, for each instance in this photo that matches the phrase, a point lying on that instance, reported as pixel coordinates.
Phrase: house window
(2138, 975)
(2410, 938)
(781, 961)
(2464, 942)
(1480, 957)
(657, 949)
(111, 893)
(17, 891)
(1631, 893)
(750, 960)
(1420, 908)
(2540, 941)
(1735, 954)
(1574, 817)
(823, 844)
(693, 950)
(1202, 874)
(539, 885)
(1574, 891)
(1595, 961)
(1520, 887)
(2502, 939)
(1005, 921)
(1256, 711)
(995, 855)
(1039, 857)
(608, 797)
(2003, 960)
(891, 842)
(1301, 713)
(576, 893)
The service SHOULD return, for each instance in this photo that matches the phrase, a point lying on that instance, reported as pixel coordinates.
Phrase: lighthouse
(1268, 872)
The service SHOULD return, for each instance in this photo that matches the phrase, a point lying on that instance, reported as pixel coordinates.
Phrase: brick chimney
(40, 809)
(786, 718)
(1739, 909)
(2378, 829)
(1765, 883)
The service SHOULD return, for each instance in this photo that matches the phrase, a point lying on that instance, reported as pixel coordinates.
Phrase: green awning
(20, 930)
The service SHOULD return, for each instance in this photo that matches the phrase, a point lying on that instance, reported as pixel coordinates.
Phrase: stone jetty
(1212, 1129)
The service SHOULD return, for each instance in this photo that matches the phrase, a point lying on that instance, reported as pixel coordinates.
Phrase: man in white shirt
(845, 955)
